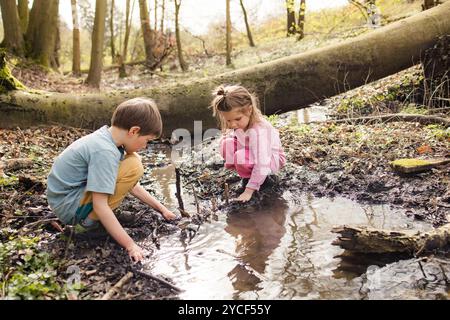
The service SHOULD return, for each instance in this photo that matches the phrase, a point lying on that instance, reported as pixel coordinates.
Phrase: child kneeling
(92, 176)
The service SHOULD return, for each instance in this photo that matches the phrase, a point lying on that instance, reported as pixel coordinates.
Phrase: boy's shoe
(79, 232)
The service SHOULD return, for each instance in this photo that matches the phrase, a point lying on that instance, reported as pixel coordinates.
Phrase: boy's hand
(168, 215)
(135, 252)
(246, 195)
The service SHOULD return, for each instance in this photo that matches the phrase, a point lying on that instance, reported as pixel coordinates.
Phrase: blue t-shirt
(89, 164)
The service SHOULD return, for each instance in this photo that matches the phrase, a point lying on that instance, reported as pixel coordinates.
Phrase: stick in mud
(196, 200)
(178, 187)
(150, 276)
(227, 193)
(117, 286)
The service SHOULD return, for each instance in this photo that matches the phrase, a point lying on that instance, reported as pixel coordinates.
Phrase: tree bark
(184, 66)
(247, 25)
(163, 9)
(76, 53)
(146, 32)
(370, 240)
(291, 26)
(301, 20)
(42, 31)
(282, 85)
(228, 33)
(98, 36)
(24, 12)
(13, 37)
(111, 31)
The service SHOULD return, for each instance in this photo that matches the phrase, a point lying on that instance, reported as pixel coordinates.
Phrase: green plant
(438, 132)
(28, 272)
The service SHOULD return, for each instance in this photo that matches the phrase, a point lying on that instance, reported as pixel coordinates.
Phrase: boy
(90, 178)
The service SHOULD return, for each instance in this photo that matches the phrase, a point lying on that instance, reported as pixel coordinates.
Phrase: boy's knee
(131, 166)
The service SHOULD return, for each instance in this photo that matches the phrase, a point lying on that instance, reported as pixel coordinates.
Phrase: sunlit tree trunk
(301, 20)
(24, 13)
(427, 4)
(228, 32)
(163, 8)
(42, 31)
(290, 17)
(76, 54)
(98, 36)
(156, 16)
(247, 25)
(111, 31)
(13, 39)
(184, 66)
(146, 32)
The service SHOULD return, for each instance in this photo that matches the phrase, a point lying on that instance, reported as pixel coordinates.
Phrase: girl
(250, 144)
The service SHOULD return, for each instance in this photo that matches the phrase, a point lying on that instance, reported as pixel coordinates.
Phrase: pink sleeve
(260, 145)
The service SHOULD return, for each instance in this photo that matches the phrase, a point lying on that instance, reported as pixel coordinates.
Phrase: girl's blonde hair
(229, 97)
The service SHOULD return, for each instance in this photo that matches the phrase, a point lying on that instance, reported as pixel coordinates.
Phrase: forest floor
(40, 259)
(327, 159)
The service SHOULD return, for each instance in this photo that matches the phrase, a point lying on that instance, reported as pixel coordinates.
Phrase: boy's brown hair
(140, 112)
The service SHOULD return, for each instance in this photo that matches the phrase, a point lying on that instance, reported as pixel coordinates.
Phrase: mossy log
(370, 240)
(282, 85)
(416, 165)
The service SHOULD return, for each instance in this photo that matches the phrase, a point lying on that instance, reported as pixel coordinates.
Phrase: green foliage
(8, 181)
(273, 119)
(438, 132)
(414, 109)
(26, 271)
(302, 129)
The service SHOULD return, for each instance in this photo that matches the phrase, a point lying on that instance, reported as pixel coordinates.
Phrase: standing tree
(76, 60)
(163, 8)
(228, 32)
(247, 26)
(156, 16)
(24, 13)
(427, 4)
(111, 31)
(13, 39)
(123, 57)
(42, 32)
(184, 66)
(98, 36)
(291, 26)
(146, 33)
(301, 20)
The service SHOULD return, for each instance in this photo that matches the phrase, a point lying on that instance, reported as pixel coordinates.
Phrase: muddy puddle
(282, 248)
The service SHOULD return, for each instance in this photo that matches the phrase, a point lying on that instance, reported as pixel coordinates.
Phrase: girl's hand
(246, 195)
(168, 215)
(135, 252)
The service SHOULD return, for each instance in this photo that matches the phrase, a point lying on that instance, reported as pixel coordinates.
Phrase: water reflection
(257, 233)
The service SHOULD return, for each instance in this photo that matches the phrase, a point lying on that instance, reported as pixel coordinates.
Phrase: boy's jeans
(130, 171)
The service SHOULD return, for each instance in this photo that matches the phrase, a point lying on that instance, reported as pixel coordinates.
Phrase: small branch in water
(196, 200)
(150, 276)
(108, 295)
(227, 193)
(178, 187)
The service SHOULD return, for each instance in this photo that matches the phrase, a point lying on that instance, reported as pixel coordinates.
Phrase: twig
(178, 186)
(150, 276)
(117, 286)
(196, 200)
(227, 193)
(423, 119)
(39, 222)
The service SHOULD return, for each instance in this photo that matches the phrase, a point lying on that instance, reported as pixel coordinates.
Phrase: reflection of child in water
(257, 235)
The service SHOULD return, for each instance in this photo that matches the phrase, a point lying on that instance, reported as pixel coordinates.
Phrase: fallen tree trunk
(282, 85)
(370, 240)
